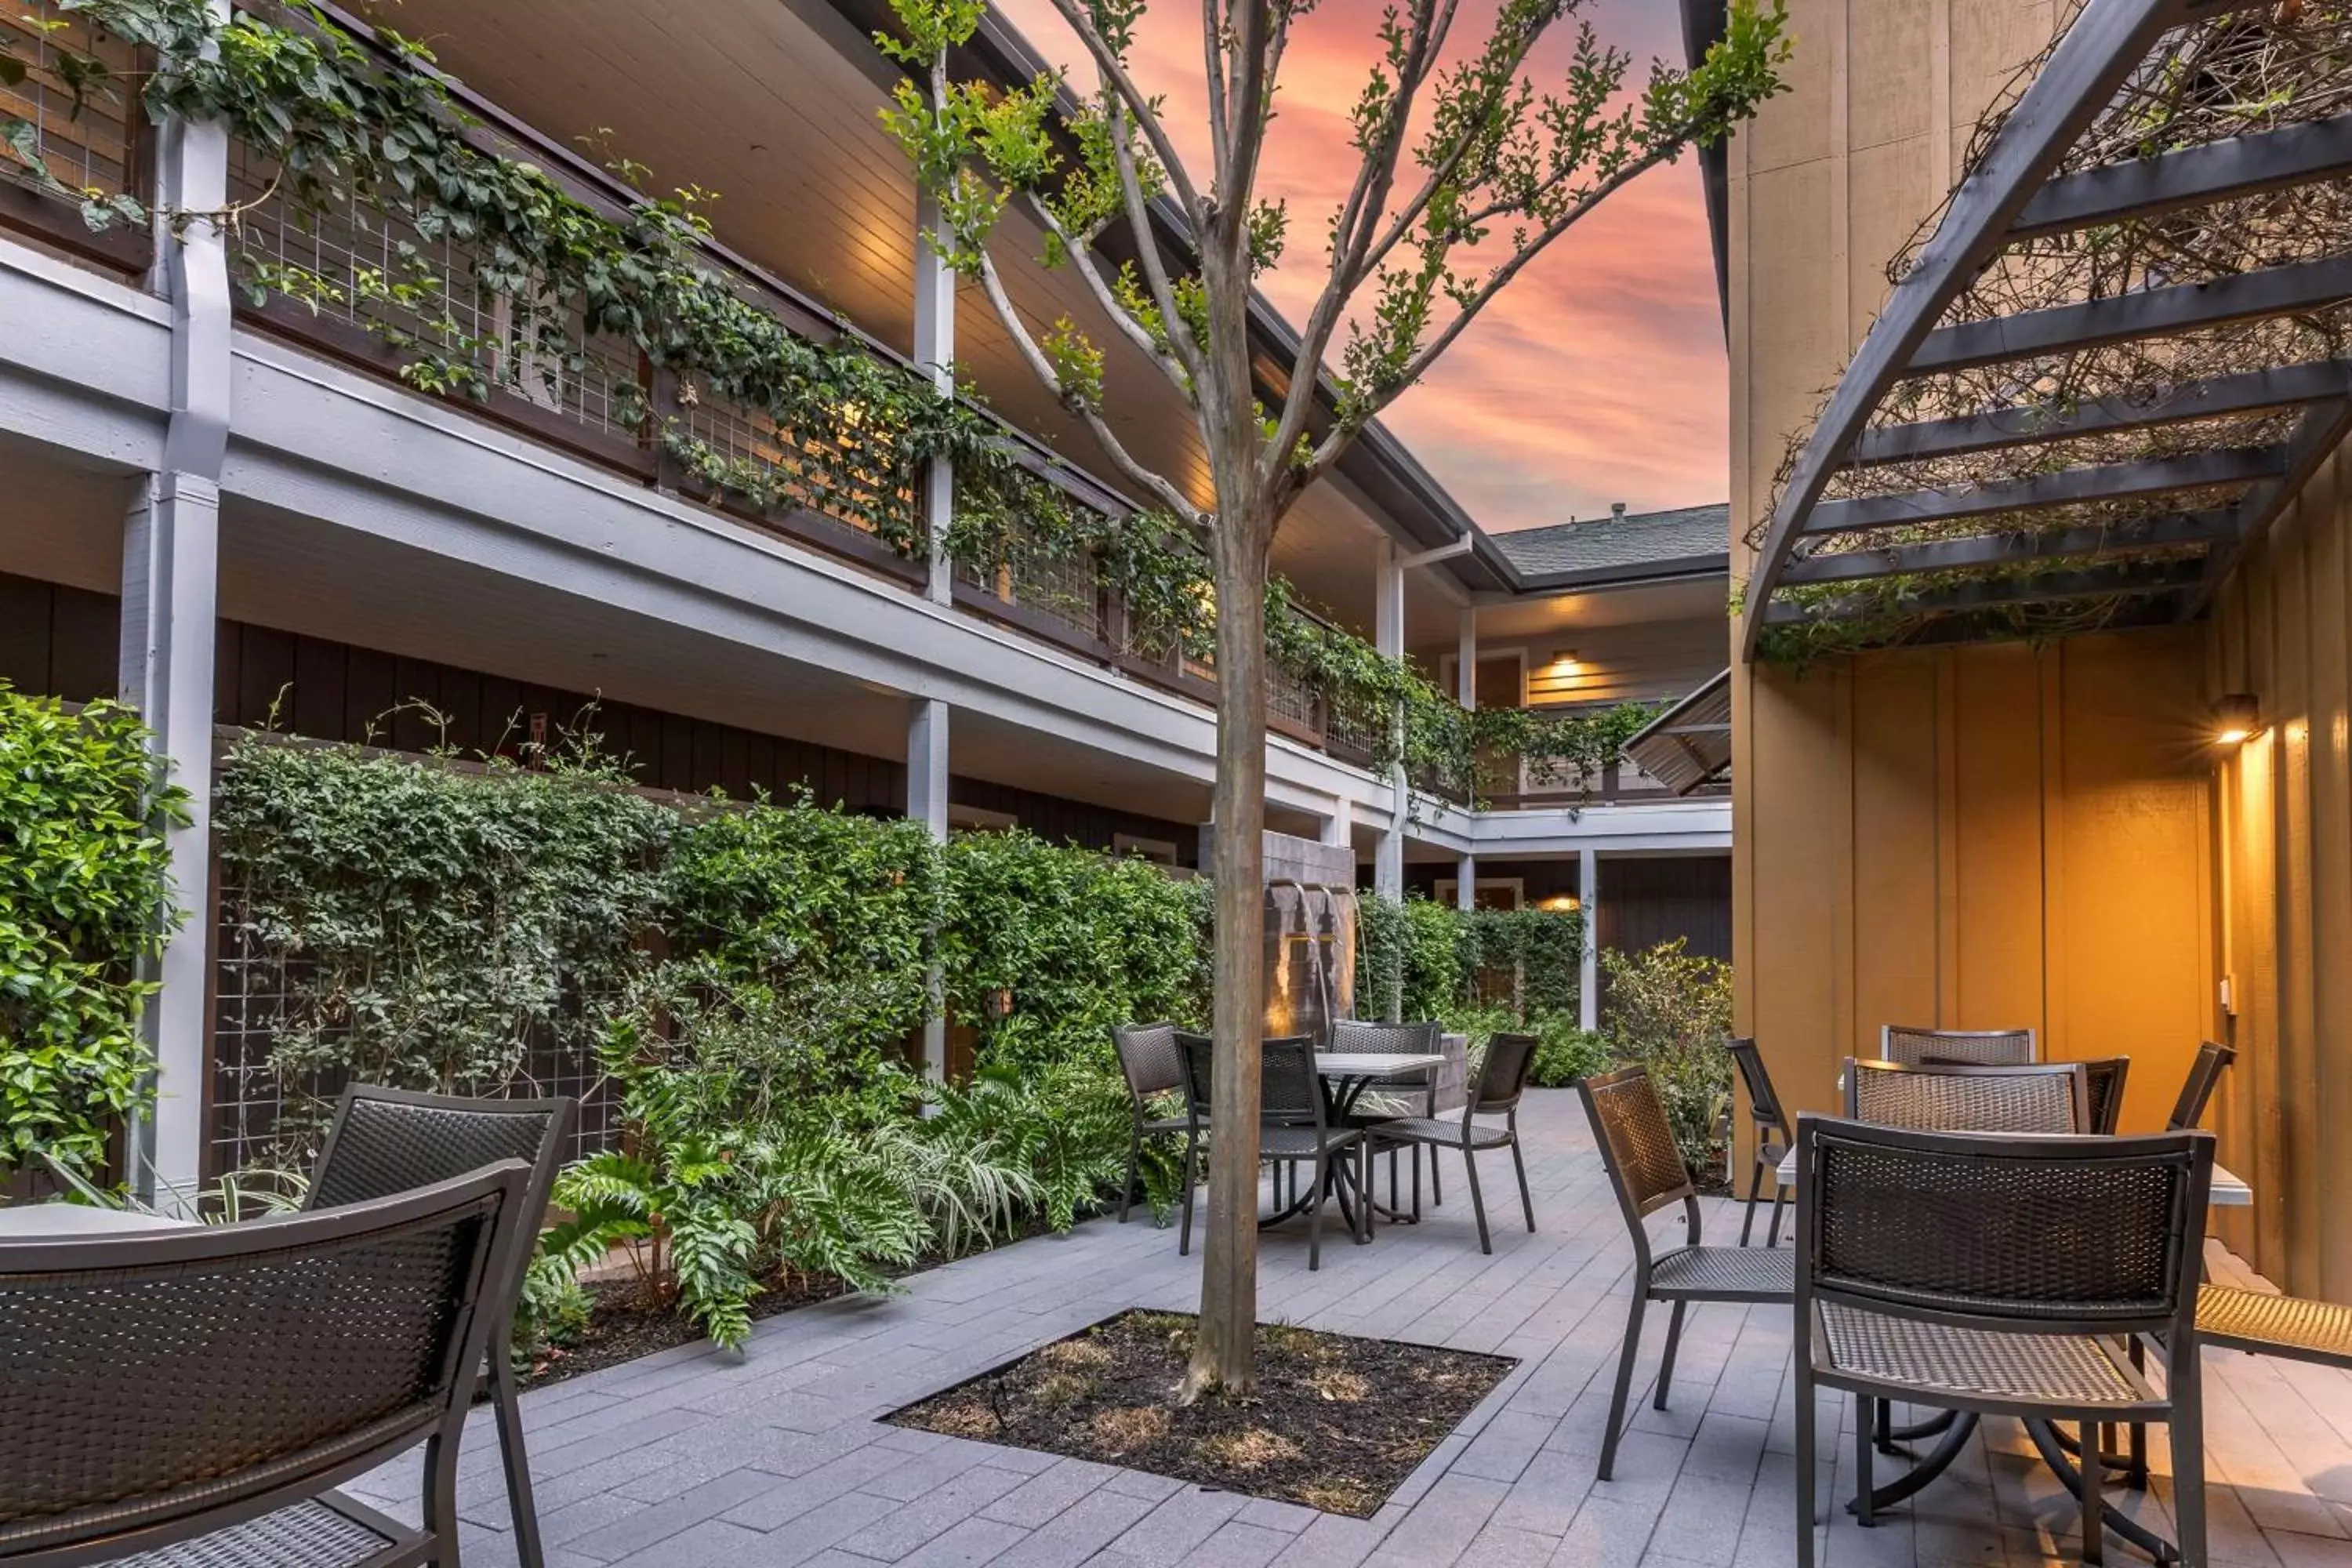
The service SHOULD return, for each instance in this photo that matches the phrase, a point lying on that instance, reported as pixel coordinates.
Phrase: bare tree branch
(1147, 248)
(1212, 60)
(1115, 72)
(1162, 488)
(1250, 111)
(1082, 256)
(1336, 443)
(1369, 196)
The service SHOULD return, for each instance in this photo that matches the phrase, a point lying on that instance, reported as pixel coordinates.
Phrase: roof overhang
(2116, 358)
(1688, 746)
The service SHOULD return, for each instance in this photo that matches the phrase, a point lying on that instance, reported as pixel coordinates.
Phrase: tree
(1501, 167)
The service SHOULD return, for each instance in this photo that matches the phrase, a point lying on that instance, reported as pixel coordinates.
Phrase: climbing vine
(341, 125)
(85, 900)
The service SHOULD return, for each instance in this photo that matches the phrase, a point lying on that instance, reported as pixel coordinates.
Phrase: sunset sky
(1598, 376)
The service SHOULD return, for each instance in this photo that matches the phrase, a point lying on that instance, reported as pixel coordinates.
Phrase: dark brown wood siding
(1644, 902)
(61, 641)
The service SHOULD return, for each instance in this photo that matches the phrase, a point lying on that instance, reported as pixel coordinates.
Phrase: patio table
(23, 1221)
(1346, 1076)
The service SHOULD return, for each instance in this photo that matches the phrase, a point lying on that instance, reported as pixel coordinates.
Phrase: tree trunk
(1223, 1352)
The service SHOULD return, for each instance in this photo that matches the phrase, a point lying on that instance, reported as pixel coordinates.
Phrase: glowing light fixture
(1560, 904)
(2236, 718)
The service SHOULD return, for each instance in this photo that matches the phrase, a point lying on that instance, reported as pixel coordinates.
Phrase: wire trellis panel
(88, 145)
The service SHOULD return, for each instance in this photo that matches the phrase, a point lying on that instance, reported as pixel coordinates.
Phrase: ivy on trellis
(342, 125)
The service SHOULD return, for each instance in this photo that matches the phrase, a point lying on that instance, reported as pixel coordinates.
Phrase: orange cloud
(1598, 375)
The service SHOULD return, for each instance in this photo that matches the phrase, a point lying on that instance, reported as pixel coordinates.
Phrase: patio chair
(2103, 1085)
(388, 1140)
(1911, 1047)
(1152, 1064)
(1957, 1270)
(190, 1396)
(1637, 1149)
(2197, 1091)
(1769, 1126)
(1292, 1128)
(1389, 1101)
(1502, 1080)
(2043, 1097)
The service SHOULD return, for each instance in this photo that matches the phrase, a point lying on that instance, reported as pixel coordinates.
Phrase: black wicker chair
(2045, 1097)
(1392, 1100)
(1769, 1127)
(1153, 1065)
(1502, 1080)
(1913, 1047)
(1293, 1130)
(1637, 1149)
(2103, 1083)
(2197, 1091)
(387, 1141)
(188, 1398)
(2001, 1276)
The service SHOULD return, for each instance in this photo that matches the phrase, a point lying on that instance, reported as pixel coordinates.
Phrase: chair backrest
(2029, 1233)
(2197, 1093)
(1763, 1102)
(1148, 1056)
(1956, 1047)
(2042, 1097)
(1199, 1053)
(1393, 1040)
(1289, 1091)
(1503, 1076)
(171, 1382)
(2103, 1082)
(1636, 1142)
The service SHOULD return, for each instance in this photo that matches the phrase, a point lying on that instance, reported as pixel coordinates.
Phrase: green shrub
(440, 919)
(85, 900)
(1565, 1053)
(1671, 1013)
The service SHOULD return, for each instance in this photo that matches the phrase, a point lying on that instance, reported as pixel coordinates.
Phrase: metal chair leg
(1184, 1230)
(1134, 1163)
(1866, 1417)
(1779, 1202)
(2094, 1508)
(1755, 1187)
(1527, 1201)
(1477, 1200)
(2185, 1385)
(1624, 1376)
(1364, 1164)
(506, 1397)
(1315, 1215)
(1806, 1479)
(1666, 1365)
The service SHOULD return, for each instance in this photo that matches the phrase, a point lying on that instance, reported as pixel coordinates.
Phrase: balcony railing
(355, 283)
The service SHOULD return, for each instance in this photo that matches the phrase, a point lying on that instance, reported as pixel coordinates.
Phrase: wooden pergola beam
(2000, 593)
(2248, 391)
(2105, 481)
(2193, 176)
(2172, 531)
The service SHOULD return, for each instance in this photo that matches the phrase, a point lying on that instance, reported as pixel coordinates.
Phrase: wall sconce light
(1564, 658)
(2236, 718)
(1560, 904)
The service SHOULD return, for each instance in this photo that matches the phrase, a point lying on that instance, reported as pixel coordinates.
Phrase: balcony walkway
(686, 1458)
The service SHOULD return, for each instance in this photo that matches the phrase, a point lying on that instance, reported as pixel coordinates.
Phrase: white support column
(1388, 635)
(1465, 661)
(927, 803)
(1339, 828)
(1588, 980)
(171, 566)
(1466, 884)
(935, 312)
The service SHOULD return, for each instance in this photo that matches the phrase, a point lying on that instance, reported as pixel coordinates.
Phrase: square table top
(1376, 1064)
(20, 1222)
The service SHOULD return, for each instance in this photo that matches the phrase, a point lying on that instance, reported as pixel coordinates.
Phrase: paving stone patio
(688, 1458)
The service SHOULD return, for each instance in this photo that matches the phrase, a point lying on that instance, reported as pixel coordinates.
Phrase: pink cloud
(1598, 376)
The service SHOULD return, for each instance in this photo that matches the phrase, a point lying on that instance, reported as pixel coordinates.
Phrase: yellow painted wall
(1979, 838)
(2284, 861)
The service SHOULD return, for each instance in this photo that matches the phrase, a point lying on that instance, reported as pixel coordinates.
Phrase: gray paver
(779, 1460)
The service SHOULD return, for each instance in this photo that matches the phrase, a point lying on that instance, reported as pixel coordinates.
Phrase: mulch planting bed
(1337, 1422)
(623, 1326)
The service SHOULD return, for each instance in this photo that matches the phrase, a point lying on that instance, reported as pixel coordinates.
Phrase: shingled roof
(1632, 546)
